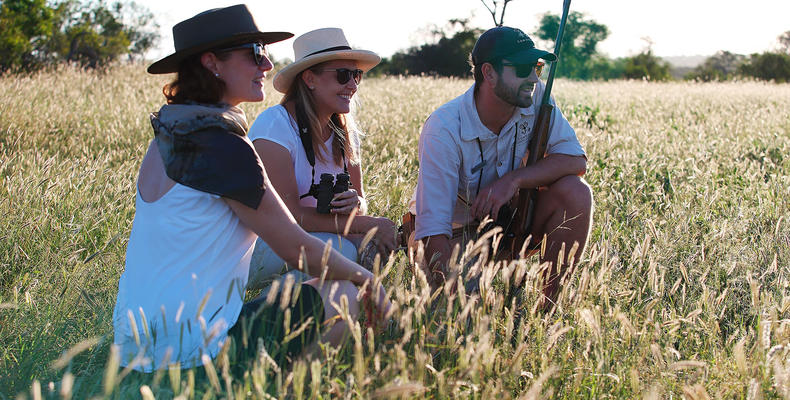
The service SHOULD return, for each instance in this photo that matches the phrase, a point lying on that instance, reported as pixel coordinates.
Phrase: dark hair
(195, 83)
(341, 124)
(477, 70)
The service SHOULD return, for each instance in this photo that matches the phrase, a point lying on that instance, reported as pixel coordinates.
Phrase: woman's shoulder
(273, 123)
(272, 116)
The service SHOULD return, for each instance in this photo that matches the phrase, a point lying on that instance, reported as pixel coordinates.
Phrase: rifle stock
(524, 203)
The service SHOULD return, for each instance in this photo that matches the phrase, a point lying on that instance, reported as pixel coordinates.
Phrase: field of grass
(683, 290)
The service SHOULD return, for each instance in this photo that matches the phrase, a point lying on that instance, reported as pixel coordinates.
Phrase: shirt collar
(472, 127)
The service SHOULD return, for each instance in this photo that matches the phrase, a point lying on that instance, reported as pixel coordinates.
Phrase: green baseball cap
(510, 43)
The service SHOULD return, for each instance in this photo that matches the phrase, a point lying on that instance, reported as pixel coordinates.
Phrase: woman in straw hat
(203, 197)
(311, 133)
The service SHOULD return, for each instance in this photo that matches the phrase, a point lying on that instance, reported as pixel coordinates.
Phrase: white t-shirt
(276, 125)
(187, 263)
(451, 164)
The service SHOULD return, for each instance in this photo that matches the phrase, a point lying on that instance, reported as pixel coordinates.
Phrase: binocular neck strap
(307, 144)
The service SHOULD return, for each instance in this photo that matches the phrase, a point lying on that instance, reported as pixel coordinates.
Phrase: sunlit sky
(675, 27)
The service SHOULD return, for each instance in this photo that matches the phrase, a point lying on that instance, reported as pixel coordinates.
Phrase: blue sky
(675, 27)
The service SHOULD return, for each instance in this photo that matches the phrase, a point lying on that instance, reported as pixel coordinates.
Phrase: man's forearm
(548, 170)
(437, 251)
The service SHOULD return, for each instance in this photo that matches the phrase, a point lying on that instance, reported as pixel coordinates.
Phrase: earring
(216, 74)
(312, 87)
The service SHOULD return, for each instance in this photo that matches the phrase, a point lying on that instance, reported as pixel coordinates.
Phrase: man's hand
(494, 196)
(386, 235)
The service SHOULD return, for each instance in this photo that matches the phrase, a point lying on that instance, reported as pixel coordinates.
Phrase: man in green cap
(472, 152)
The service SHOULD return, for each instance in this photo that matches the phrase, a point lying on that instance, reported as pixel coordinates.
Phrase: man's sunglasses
(258, 51)
(524, 70)
(345, 74)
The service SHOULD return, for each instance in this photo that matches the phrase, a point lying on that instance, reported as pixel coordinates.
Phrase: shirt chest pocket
(467, 181)
(469, 176)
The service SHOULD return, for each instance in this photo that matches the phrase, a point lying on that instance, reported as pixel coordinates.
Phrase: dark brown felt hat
(213, 29)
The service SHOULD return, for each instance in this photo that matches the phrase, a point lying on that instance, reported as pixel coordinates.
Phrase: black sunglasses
(345, 74)
(524, 70)
(258, 51)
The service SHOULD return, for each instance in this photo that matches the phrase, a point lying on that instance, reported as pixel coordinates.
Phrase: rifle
(524, 202)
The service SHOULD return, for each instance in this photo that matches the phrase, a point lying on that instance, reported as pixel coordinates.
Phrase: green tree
(721, 66)
(579, 42)
(88, 32)
(603, 68)
(645, 65)
(24, 26)
(141, 29)
(449, 56)
(768, 67)
(784, 42)
(493, 10)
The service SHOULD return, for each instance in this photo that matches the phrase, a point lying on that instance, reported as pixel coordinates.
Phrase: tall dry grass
(683, 290)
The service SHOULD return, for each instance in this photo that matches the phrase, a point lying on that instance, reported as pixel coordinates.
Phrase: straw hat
(321, 45)
(213, 29)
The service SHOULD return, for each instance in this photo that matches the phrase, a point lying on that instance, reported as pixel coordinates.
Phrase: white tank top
(276, 125)
(187, 263)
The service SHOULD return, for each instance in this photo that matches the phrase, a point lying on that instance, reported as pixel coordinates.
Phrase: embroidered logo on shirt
(523, 135)
(522, 130)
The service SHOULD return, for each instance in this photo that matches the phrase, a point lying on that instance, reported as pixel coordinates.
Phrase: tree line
(448, 55)
(93, 33)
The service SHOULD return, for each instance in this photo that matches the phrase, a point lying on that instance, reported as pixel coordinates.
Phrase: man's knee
(573, 192)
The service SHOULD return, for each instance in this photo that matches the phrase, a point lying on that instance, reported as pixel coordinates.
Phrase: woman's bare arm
(276, 226)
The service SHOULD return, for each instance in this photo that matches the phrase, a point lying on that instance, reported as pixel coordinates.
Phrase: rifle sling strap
(307, 144)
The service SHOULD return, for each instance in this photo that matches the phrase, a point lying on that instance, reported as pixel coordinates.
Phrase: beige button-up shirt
(459, 155)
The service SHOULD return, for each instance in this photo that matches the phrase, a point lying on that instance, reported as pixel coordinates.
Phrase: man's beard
(511, 96)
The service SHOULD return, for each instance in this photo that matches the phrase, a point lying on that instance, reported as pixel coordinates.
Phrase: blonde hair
(342, 125)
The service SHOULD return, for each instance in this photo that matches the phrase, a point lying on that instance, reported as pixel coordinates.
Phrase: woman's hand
(344, 203)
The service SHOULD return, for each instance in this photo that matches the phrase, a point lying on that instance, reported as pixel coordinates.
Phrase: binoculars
(327, 188)
(503, 220)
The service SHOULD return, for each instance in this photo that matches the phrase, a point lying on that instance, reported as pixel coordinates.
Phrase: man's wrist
(520, 177)
(515, 178)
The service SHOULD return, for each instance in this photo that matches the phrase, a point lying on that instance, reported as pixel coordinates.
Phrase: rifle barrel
(550, 80)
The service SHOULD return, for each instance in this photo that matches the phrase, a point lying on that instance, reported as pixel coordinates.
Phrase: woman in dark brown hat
(203, 197)
(311, 133)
